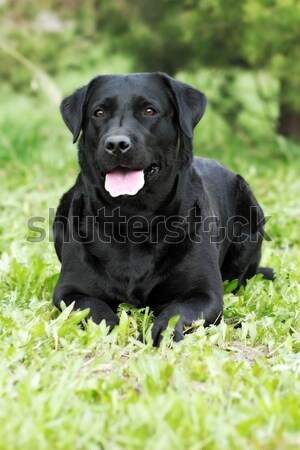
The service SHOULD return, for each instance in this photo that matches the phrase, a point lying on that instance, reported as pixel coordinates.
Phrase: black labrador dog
(147, 223)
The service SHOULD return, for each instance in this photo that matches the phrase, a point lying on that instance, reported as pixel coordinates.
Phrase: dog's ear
(72, 110)
(189, 103)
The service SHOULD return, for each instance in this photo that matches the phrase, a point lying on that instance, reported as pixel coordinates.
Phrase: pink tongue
(127, 182)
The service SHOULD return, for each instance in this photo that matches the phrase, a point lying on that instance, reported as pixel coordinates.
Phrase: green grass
(66, 387)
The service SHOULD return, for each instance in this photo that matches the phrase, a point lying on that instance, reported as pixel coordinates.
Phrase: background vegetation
(228, 387)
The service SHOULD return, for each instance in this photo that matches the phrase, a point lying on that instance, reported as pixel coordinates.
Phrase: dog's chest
(130, 271)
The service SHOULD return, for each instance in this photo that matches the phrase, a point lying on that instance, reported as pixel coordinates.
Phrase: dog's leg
(205, 307)
(267, 273)
(99, 310)
(242, 263)
(246, 238)
(253, 269)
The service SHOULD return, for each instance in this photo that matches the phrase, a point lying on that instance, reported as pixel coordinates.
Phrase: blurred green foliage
(71, 40)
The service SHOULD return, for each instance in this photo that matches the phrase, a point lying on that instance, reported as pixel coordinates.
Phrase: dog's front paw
(161, 324)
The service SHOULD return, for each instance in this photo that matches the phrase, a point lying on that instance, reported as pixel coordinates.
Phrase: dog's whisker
(143, 239)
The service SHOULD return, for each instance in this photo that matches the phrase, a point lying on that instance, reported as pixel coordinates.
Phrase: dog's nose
(117, 144)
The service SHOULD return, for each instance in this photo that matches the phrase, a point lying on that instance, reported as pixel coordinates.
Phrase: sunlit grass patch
(66, 383)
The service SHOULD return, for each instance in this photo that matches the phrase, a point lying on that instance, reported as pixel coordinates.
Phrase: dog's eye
(99, 113)
(150, 111)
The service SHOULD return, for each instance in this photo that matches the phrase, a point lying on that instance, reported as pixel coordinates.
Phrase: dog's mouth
(127, 181)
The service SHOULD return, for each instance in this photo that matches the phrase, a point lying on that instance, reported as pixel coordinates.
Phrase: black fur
(174, 269)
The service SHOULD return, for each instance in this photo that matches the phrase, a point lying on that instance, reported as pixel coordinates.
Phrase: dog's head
(133, 127)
